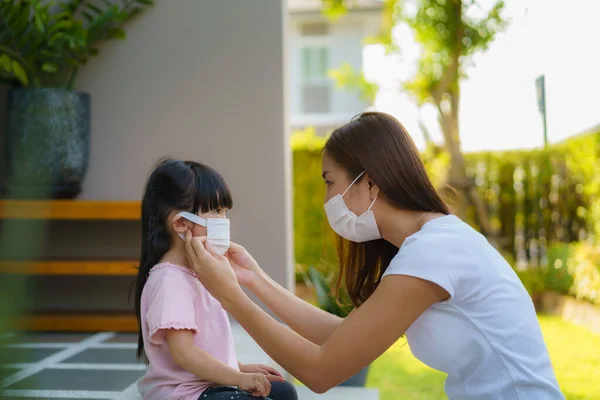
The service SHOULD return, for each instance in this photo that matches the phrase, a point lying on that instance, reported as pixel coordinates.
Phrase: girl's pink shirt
(173, 298)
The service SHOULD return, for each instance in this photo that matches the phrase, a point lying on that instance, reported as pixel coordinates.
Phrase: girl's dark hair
(379, 145)
(173, 185)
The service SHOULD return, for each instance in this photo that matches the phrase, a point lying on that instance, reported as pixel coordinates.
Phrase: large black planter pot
(48, 142)
(358, 380)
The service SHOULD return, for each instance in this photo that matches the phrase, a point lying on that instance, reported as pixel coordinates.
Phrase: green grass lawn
(575, 354)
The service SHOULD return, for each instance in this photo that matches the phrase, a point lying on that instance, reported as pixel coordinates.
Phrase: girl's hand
(213, 270)
(271, 373)
(255, 383)
(245, 267)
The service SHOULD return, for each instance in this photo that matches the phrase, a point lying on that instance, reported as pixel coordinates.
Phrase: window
(316, 85)
(315, 61)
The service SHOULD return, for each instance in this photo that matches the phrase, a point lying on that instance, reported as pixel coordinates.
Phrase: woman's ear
(373, 188)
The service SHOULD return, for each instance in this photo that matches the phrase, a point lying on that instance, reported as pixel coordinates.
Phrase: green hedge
(532, 201)
(309, 217)
(536, 198)
(313, 239)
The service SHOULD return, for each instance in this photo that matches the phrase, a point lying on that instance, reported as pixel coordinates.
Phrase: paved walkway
(103, 366)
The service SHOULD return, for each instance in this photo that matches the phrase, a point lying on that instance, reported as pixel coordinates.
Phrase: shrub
(533, 280)
(557, 277)
(584, 266)
(44, 43)
(574, 269)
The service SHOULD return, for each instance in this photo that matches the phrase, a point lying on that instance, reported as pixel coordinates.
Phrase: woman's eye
(328, 183)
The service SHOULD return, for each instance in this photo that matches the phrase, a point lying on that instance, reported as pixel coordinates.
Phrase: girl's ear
(180, 224)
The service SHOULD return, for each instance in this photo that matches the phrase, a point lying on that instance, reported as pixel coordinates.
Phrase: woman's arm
(197, 361)
(360, 339)
(307, 320)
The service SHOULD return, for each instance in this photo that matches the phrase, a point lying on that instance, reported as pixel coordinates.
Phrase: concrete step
(339, 393)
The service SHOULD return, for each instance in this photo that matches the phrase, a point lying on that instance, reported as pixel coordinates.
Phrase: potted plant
(43, 44)
(328, 302)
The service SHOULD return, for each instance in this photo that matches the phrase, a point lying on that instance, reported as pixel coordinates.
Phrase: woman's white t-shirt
(486, 336)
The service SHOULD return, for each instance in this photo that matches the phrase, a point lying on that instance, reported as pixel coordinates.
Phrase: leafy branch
(44, 43)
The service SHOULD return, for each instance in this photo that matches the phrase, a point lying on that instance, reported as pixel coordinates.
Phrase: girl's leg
(283, 391)
(227, 393)
(279, 391)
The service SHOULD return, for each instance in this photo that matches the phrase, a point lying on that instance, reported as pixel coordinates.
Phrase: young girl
(185, 334)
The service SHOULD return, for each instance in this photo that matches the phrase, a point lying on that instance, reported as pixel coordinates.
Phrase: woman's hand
(255, 383)
(245, 267)
(271, 373)
(213, 270)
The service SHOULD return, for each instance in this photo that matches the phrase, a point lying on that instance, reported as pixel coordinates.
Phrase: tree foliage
(449, 32)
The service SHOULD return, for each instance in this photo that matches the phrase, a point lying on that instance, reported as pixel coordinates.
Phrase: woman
(410, 267)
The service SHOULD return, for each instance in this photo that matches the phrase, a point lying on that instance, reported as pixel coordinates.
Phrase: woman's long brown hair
(378, 144)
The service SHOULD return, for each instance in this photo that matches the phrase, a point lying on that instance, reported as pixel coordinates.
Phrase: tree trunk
(457, 175)
(446, 95)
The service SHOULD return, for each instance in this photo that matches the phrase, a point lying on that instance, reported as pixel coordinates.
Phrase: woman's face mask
(217, 230)
(348, 225)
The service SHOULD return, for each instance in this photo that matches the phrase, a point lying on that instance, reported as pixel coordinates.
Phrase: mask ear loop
(193, 218)
(353, 182)
(371, 206)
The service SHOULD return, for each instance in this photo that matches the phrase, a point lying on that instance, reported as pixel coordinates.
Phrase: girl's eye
(328, 183)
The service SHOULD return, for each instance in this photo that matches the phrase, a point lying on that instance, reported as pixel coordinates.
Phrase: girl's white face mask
(345, 223)
(217, 231)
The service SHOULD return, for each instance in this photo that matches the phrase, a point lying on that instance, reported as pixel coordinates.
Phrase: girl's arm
(197, 361)
(305, 319)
